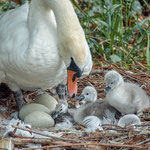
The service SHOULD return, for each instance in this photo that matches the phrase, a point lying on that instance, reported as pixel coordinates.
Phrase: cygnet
(127, 98)
(39, 119)
(46, 100)
(94, 108)
(29, 108)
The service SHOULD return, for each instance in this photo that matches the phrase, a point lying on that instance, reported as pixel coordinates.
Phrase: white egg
(46, 100)
(29, 108)
(39, 119)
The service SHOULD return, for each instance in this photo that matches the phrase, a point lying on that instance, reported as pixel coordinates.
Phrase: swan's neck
(66, 18)
(67, 21)
(69, 31)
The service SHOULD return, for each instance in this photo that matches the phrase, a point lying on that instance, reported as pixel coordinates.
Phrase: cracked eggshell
(39, 119)
(46, 100)
(29, 108)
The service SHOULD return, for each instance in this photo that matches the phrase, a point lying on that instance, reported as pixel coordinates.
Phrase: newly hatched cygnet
(93, 109)
(46, 100)
(127, 98)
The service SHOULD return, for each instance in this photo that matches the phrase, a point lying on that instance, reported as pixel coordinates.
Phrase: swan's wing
(13, 30)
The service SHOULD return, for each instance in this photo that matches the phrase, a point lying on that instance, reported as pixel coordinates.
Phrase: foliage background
(118, 31)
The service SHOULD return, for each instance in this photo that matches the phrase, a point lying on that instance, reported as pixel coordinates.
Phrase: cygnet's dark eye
(112, 82)
(87, 93)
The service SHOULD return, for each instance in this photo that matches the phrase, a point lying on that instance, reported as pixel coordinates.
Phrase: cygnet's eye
(112, 82)
(87, 93)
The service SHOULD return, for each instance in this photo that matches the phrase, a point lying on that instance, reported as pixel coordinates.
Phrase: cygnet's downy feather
(128, 98)
(128, 120)
(92, 123)
(94, 107)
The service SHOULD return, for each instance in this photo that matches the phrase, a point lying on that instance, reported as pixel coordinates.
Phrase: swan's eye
(112, 82)
(87, 93)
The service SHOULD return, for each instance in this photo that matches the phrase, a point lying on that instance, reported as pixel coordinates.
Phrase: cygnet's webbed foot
(61, 108)
(92, 123)
(62, 105)
(19, 99)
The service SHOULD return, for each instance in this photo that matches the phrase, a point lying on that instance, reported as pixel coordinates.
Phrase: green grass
(116, 30)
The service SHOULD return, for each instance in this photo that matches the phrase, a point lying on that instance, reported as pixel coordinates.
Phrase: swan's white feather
(29, 49)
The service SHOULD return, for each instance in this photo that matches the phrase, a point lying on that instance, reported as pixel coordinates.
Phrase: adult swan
(40, 44)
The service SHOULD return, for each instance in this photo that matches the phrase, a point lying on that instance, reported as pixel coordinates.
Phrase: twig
(43, 134)
(135, 78)
(23, 141)
(85, 144)
(147, 140)
(96, 71)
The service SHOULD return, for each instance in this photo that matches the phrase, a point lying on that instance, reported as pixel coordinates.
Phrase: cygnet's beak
(73, 72)
(55, 115)
(80, 97)
(108, 88)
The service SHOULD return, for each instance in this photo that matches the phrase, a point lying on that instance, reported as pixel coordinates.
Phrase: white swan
(128, 98)
(39, 42)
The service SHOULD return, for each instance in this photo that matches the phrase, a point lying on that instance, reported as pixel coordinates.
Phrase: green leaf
(75, 4)
(115, 58)
(140, 24)
(148, 51)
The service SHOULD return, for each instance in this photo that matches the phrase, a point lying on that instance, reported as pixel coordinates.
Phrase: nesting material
(29, 108)
(46, 100)
(39, 119)
(128, 98)
(17, 122)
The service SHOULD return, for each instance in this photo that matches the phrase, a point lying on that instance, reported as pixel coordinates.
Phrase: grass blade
(148, 51)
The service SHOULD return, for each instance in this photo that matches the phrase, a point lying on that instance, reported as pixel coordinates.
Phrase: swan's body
(36, 45)
(128, 98)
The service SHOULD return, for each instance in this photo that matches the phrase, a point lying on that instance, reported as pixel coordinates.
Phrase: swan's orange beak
(72, 83)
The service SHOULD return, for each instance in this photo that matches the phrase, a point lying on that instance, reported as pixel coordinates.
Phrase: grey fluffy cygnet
(93, 109)
(128, 98)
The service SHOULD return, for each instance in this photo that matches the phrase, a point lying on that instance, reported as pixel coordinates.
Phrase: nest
(112, 137)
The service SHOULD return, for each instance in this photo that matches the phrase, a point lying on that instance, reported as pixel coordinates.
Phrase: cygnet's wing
(102, 110)
(97, 108)
(137, 96)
